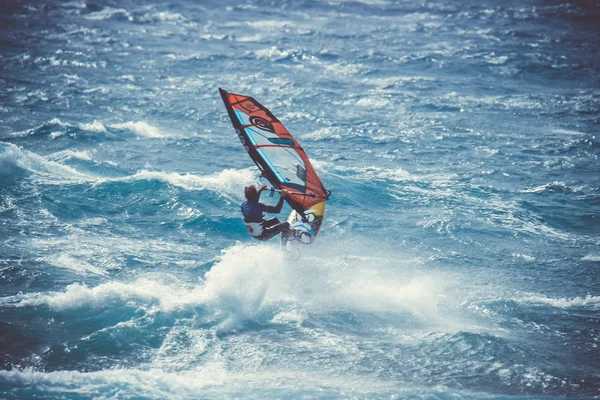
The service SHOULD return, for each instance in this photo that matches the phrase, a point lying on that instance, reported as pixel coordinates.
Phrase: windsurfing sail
(280, 158)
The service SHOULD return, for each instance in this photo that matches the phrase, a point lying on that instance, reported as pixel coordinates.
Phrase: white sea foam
(46, 171)
(370, 172)
(270, 25)
(65, 155)
(95, 126)
(107, 252)
(212, 36)
(59, 125)
(162, 16)
(345, 70)
(49, 170)
(273, 53)
(92, 221)
(509, 215)
(241, 283)
(11, 157)
(391, 294)
(372, 102)
(229, 181)
(537, 228)
(143, 291)
(591, 257)
(140, 128)
(555, 186)
(154, 383)
(241, 280)
(74, 4)
(183, 345)
(214, 379)
(54, 61)
(495, 60)
(31, 130)
(78, 265)
(323, 133)
(237, 284)
(568, 132)
(563, 302)
(525, 257)
(188, 56)
(377, 3)
(397, 80)
(250, 38)
(110, 13)
(99, 89)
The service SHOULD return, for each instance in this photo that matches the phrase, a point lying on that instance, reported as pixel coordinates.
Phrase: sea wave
(55, 128)
(66, 155)
(364, 173)
(214, 379)
(50, 170)
(13, 160)
(110, 13)
(230, 181)
(129, 383)
(560, 187)
(140, 128)
(459, 248)
(240, 285)
(563, 302)
(591, 257)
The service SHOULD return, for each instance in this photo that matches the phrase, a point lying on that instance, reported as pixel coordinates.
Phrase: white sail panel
(286, 163)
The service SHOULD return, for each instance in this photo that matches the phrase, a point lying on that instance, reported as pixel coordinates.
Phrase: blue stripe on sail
(249, 132)
(237, 113)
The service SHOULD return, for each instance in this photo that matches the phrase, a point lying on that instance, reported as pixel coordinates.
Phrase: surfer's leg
(275, 230)
(271, 222)
(280, 227)
(286, 234)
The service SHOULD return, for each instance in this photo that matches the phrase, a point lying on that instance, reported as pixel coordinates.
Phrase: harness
(254, 228)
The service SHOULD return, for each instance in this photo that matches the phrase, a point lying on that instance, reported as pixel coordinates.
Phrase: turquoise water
(459, 257)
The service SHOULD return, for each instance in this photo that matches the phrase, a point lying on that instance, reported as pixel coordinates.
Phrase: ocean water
(460, 254)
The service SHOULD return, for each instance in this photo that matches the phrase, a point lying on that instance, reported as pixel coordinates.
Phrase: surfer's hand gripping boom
(282, 192)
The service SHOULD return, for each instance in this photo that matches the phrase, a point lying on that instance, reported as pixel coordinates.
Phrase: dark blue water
(460, 254)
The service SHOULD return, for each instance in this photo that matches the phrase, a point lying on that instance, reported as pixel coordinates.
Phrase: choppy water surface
(460, 255)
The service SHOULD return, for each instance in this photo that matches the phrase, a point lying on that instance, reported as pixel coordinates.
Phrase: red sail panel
(275, 151)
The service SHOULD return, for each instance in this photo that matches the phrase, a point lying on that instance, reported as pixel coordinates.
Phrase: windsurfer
(253, 212)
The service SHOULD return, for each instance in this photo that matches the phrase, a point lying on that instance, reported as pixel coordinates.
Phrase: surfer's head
(251, 193)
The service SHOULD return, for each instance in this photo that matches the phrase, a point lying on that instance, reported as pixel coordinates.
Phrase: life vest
(254, 228)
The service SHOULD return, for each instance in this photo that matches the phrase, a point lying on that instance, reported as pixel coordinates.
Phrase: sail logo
(242, 139)
(262, 124)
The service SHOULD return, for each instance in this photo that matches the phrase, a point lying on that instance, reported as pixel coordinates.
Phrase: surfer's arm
(261, 188)
(277, 209)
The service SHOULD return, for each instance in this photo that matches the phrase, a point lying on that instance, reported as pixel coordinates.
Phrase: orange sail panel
(275, 151)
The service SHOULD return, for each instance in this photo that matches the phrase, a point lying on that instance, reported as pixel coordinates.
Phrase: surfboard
(281, 160)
